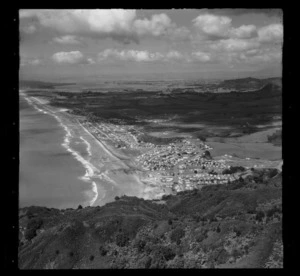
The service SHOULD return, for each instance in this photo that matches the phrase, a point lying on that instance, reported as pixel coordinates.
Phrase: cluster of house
(179, 166)
(205, 179)
(199, 164)
(165, 157)
(119, 135)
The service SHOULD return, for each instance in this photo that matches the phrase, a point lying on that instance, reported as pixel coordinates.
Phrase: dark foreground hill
(234, 225)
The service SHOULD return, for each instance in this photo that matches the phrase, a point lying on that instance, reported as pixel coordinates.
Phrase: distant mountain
(40, 84)
(270, 88)
(249, 83)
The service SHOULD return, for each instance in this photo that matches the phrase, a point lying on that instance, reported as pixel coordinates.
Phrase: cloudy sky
(77, 44)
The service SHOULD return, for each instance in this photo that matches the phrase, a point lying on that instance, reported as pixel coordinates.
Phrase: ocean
(49, 174)
(62, 165)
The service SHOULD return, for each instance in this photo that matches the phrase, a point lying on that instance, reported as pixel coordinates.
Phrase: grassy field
(238, 112)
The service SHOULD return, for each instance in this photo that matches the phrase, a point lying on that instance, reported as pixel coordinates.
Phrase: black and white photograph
(150, 139)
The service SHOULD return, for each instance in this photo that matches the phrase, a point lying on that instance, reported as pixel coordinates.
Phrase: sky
(76, 45)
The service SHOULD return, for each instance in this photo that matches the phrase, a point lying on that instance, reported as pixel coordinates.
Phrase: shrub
(148, 263)
(140, 245)
(34, 223)
(157, 260)
(213, 219)
(207, 155)
(122, 239)
(222, 257)
(235, 253)
(168, 253)
(259, 215)
(202, 138)
(29, 214)
(272, 173)
(176, 235)
(238, 232)
(79, 207)
(235, 169)
(272, 211)
(200, 237)
(32, 226)
(117, 198)
(103, 251)
(30, 234)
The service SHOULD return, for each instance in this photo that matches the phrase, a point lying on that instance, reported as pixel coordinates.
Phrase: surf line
(102, 146)
(91, 171)
(88, 146)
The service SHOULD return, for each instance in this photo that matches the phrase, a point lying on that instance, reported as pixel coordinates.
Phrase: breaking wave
(91, 172)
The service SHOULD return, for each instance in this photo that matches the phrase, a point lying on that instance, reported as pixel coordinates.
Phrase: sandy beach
(105, 168)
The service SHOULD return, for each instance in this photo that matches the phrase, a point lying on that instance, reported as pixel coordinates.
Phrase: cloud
(219, 27)
(118, 24)
(146, 56)
(213, 25)
(67, 39)
(29, 29)
(174, 55)
(73, 57)
(201, 56)
(244, 31)
(114, 23)
(260, 56)
(129, 55)
(232, 45)
(271, 33)
(237, 12)
(24, 61)
(156, 26)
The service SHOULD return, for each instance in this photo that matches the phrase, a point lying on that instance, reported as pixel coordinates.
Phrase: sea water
(62, 165)
(49, 174)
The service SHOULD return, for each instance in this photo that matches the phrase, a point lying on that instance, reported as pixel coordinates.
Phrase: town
(176, 167)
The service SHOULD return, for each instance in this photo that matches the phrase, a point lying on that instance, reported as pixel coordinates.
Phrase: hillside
(248, 83)
(235, 225)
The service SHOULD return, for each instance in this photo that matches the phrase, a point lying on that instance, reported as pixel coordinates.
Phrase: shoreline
(92, 172)
(133, 183)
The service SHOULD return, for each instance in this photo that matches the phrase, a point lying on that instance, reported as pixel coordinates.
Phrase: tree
(176, 235)
(32, 226)
(103, 251)
(260, 215)
(122, 239)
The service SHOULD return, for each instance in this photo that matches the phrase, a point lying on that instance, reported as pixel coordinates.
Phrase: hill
(234, 225)
(248, 83)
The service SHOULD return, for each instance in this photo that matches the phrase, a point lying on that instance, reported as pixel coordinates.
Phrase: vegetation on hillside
(233, 225)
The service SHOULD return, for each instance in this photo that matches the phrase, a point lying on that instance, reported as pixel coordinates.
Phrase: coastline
(96, 173)
(48, 174)
(107, 169)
